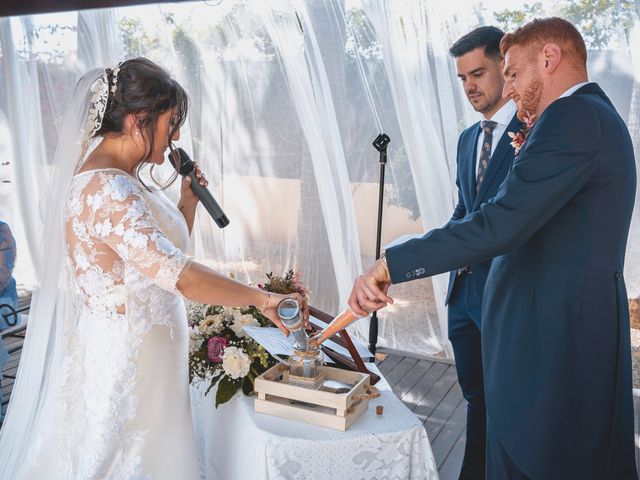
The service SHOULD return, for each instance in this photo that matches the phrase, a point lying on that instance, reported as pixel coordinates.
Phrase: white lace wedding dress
(123, 410)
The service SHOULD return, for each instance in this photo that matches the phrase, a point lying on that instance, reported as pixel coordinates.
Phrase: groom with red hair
(555, 332)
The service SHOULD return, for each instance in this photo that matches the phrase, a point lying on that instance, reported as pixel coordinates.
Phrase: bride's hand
(188, 199)
(269, 308)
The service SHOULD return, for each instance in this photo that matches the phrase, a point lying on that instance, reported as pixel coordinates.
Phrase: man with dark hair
(555, 329)
(487, 38)
(484, 157)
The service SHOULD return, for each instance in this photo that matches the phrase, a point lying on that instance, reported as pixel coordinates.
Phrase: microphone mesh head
(180, 161)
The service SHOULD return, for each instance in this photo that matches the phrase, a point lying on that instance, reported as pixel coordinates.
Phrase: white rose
(240, 321)
(195, 341)
(212, 324)
(235, 362)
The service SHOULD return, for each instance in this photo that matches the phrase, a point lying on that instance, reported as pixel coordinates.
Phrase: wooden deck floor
(428, 387)
(13, 342)
(10, 369)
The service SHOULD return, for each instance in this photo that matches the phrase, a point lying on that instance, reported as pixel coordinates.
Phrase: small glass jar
(305, 365)
(305, 368)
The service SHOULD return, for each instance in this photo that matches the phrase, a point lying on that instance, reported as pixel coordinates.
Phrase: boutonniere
(520, 137)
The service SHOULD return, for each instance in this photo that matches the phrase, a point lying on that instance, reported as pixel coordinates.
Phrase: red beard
(530, 100)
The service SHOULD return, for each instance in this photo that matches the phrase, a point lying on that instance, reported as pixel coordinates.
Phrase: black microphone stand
(380, 144)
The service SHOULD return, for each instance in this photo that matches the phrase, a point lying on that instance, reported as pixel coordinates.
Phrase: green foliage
(599, 21)
(289, 283)
(214, 382)
(137, 42)
(227, 388)
(247, 383)
(509, 20)
(46, 43)
(361, 41)
(402, 192)
(188, 52)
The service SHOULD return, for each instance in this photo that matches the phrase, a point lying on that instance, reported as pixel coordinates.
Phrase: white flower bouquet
(221, 353)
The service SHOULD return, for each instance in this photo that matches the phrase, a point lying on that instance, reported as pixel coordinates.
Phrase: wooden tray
(322, 408)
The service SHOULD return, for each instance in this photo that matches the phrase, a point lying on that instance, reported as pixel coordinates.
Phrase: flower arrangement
(519, 138)
(221, 353)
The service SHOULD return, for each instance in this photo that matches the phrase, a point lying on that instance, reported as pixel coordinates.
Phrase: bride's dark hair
(147, 91)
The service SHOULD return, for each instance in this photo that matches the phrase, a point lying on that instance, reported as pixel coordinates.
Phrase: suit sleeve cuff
(401, 265)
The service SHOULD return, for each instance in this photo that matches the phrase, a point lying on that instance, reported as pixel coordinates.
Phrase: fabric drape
(286, 98)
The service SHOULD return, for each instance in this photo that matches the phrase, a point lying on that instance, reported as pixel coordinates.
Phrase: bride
(102, 388)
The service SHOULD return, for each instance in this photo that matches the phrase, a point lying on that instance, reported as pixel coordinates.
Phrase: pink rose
(215, 348)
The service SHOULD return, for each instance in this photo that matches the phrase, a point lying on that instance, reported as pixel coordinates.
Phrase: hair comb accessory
(116, 71)
(101, 91)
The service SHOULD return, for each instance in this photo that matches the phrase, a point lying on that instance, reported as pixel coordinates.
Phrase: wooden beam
(21, 7)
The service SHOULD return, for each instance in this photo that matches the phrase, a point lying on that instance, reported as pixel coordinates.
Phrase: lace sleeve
(123, 221)
(7, 255)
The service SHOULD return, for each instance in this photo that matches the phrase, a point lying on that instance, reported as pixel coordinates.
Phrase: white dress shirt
(502, 117)
(573, 89)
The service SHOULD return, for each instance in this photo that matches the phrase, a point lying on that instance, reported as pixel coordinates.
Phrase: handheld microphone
(185, 167)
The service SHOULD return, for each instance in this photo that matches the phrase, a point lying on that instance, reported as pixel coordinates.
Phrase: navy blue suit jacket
(468, 200)
(555, 330)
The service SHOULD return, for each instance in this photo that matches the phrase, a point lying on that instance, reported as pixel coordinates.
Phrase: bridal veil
(53, 307)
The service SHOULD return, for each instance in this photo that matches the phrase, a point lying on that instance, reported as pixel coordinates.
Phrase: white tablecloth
(235, 443)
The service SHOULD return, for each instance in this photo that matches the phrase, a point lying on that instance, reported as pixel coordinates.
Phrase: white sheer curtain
(402, 27)
(23, 110)
(263, 127)
(99, 41)
(308, 84)
(287, 96)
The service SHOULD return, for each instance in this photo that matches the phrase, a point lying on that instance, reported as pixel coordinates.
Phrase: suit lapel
(472, 155)
(500, 155)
